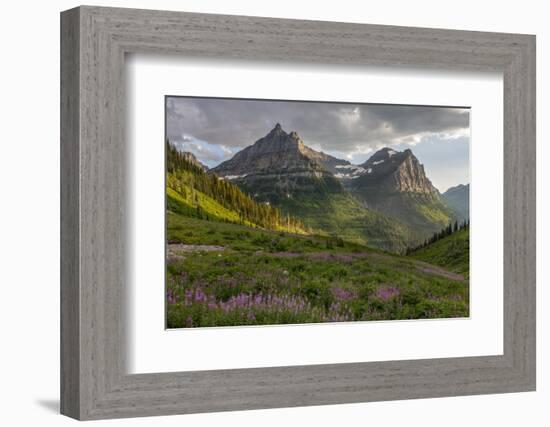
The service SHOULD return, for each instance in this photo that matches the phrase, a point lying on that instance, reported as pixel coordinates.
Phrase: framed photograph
(262, 213)
(278, 232)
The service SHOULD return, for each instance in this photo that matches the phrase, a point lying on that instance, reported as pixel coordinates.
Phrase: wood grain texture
(94, 232)
(70, 292)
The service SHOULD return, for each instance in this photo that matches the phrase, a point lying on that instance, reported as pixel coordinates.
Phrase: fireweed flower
(247, 306)
(385, 293)
(200, 296)
(188, 297)
(342, 294)
(172, 299)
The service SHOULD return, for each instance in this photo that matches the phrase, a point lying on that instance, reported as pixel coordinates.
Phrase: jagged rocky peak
(276, 153)
(277, 140)
(396, 171)
(327, 161)
(279, 165)
(277, 131)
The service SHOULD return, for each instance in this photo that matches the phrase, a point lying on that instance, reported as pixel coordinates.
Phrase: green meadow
(223, 274)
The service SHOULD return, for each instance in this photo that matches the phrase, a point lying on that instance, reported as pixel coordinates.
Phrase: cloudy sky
(215, 129)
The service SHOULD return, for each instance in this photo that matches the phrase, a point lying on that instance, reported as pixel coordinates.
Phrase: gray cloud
(220, 127)
(209, 154)
(336, 127)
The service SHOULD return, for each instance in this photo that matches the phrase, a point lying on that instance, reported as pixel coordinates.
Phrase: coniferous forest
(189, 180)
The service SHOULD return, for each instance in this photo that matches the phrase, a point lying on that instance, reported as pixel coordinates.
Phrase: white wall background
(29, 214)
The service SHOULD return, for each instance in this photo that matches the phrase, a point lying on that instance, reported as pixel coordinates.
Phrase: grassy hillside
(342, 215)
(221, 274)
(194, 231)
(451, 252)
(325, 206)
(194, 203)
(424, 213)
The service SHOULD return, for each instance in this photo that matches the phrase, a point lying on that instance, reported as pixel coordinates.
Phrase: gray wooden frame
(94, 41)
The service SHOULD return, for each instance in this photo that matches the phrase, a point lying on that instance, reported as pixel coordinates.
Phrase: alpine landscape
(281, 232)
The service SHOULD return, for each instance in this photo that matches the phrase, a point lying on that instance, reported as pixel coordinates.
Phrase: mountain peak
(383, 153)
(276, 153)
(277, 130)
(388, 154)
(279, 165)
(396, 171)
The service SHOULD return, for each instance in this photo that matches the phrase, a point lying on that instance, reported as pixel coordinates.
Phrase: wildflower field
(224, 274)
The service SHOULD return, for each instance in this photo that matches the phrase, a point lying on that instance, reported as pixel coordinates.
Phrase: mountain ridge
(281, 152)
(280, 169)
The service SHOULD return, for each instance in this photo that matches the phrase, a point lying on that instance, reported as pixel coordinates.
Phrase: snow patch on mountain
(349, 171)
(231, 177)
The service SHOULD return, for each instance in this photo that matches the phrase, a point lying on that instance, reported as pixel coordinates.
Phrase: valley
(283, 234)
(387, 202)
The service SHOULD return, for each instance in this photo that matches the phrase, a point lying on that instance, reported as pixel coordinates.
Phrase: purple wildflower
(172, 299)
(342, 294)
(387, 292)
(200, 296)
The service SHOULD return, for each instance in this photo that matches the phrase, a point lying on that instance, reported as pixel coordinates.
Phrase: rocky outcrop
(395, 171)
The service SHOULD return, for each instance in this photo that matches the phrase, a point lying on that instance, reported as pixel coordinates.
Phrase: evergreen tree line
(184, 174)
(444, 232)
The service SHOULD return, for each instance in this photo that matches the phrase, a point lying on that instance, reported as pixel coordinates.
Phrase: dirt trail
(350, 257)
(176, 248)
(438, 271)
